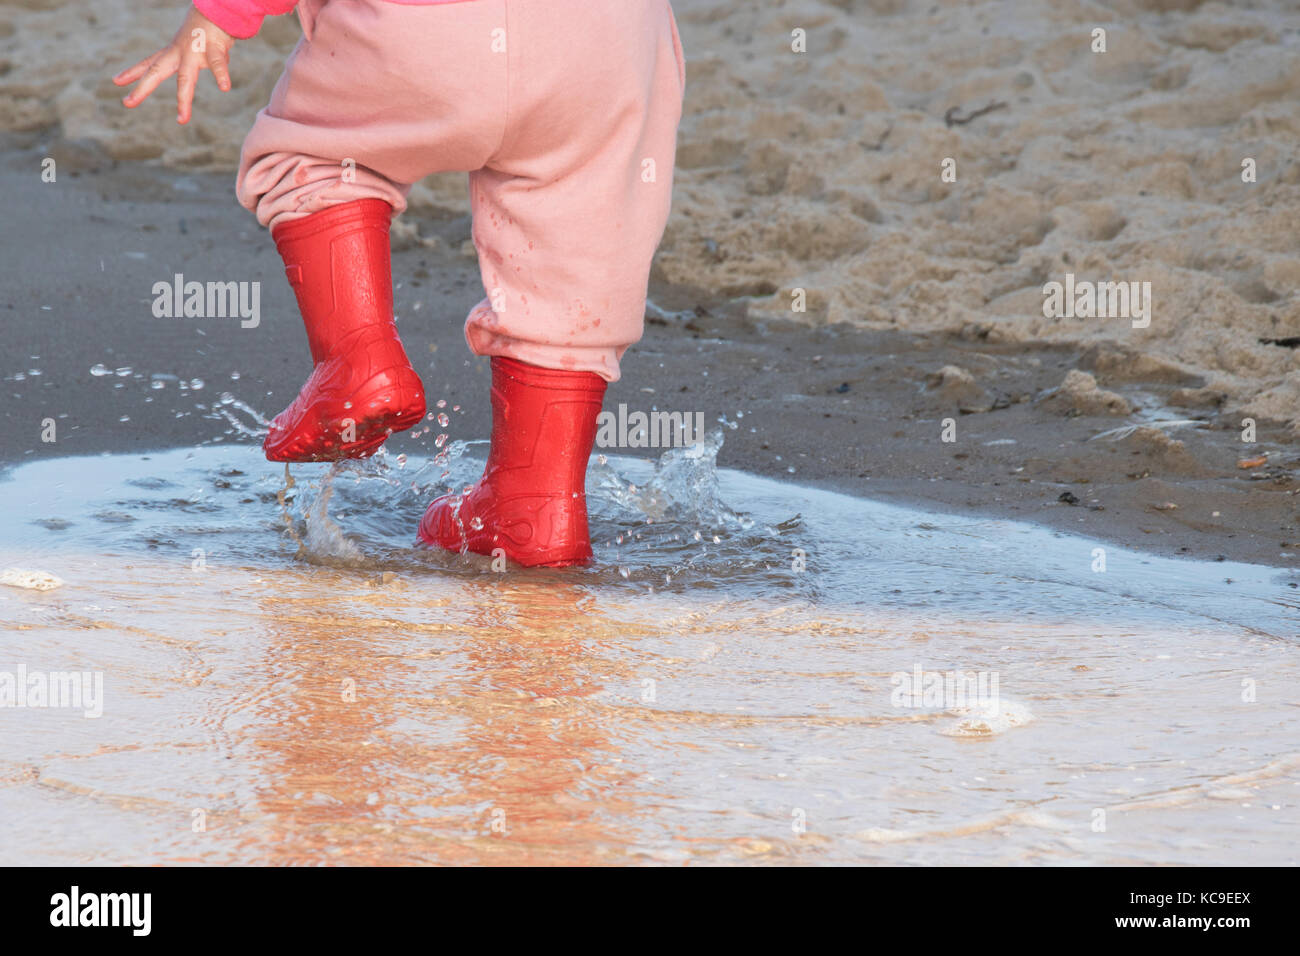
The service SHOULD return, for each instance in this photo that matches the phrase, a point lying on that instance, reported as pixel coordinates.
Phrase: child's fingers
(161, 68)
(186, 79)
(218, 64)
(133, 73)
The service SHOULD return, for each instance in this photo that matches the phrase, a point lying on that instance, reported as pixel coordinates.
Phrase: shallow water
(287, 680)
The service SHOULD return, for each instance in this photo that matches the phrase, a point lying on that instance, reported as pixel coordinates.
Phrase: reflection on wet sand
(507, 763)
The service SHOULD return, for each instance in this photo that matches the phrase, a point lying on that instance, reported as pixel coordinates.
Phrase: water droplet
(98, 369)
(440, 441)
(157, 383)
(476, 523)
(442, 403)
(196, 383)
(443, 420)
(234, 376)
(122, 372)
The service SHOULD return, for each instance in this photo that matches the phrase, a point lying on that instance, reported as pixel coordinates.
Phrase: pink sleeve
(242, 18)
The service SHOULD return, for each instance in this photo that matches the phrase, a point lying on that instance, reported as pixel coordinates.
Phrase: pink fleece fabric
(243, 18)
(564, 113)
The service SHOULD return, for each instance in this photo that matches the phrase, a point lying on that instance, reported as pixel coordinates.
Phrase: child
(565, 114)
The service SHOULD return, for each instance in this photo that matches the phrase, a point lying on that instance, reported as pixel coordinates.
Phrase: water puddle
(284, 678)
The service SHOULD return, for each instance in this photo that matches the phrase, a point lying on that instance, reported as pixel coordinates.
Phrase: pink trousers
(563, 112)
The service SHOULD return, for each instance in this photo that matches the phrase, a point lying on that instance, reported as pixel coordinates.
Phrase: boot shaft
(543, 427)
(339, 263)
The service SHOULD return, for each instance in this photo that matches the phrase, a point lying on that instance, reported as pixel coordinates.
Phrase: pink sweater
(243, 18)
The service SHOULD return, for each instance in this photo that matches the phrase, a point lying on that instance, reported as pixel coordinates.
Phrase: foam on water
(722, 684)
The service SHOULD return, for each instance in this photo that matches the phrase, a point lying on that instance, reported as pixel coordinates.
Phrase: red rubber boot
(363, 387)
(532, 499)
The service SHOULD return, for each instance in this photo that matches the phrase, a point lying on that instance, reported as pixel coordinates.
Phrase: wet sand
(857, 410)
(293, 683)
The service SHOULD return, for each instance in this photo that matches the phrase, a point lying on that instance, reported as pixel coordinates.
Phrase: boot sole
(553, 557)
(372, 430)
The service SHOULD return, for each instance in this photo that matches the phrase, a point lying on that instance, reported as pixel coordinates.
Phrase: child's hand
(198, 43)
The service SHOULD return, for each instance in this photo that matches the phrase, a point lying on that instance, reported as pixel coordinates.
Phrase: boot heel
(391, 401)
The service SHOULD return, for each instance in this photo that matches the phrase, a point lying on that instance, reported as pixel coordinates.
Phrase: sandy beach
(854, 409)
(818, 172)
(924, 464)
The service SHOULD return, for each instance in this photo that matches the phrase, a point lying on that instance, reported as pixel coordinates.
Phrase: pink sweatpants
(564, 113)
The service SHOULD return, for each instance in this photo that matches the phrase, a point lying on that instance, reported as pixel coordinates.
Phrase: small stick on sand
(952, 119)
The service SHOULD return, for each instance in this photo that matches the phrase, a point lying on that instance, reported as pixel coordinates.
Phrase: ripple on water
(721, 685)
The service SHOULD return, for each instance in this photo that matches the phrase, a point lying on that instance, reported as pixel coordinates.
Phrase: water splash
(225, 408)
(324, 538)
(683, 488)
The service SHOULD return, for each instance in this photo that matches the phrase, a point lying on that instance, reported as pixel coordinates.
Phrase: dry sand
(817, 171)
(820, 170)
